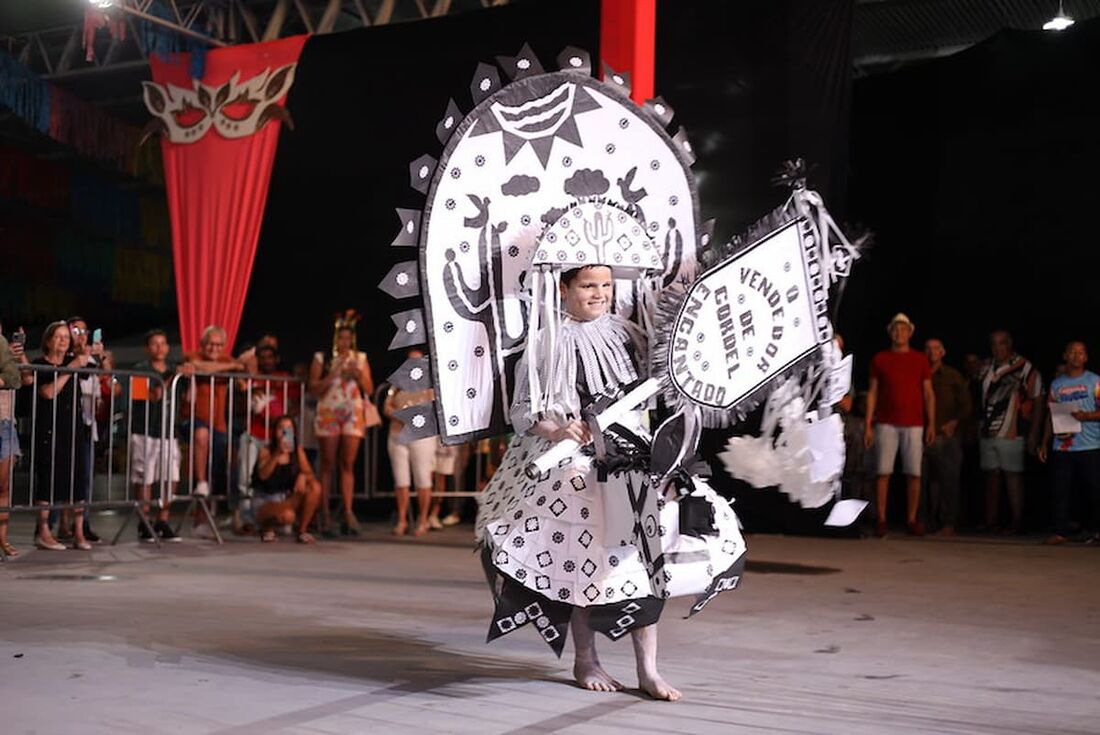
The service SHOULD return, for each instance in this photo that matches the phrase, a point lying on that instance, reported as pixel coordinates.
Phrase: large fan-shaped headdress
(498, 216)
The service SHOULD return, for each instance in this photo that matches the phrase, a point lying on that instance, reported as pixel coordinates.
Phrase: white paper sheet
(845, 512)
(1061, 418)
(840, 382)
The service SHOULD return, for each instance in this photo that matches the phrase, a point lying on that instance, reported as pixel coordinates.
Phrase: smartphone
(19, 338)
(97, 335)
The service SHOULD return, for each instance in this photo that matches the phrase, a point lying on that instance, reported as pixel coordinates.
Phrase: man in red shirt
(901, 410)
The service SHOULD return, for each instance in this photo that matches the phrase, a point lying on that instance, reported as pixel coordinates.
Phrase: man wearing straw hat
(901, 411)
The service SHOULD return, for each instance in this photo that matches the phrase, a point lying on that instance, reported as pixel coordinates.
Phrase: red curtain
(628, 32)
(217, 190)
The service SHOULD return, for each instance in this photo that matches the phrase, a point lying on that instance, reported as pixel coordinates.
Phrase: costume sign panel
(750, 319)
(513, 166)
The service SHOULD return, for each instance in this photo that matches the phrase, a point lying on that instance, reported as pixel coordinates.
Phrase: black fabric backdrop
(978, 175)
(753, 82)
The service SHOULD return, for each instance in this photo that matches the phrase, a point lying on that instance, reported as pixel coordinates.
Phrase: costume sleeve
(9, 368)
(520, 412)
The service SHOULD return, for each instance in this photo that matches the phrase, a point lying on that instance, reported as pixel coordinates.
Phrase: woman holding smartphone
(286, 492)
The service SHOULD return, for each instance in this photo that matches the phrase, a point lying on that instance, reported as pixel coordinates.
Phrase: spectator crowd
(963, 442)
(275, 446)
(280, 447)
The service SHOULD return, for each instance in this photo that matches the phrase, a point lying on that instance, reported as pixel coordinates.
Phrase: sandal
(8, 549)
(305, 537)
(421, 530)
(400, 529)
(267, 536)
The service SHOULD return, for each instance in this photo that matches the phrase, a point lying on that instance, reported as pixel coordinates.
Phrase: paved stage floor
(379, 636)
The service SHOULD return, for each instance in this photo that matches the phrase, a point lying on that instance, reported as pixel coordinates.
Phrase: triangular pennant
(420, 173)
(446, 126)
(413, 375)
(575, 60)
(419, 421)
(681, 139)
(486, 81)
(619, 80)
(410, 329)
(402, 281)
(409, 234)
(660, 110)
(523, 64)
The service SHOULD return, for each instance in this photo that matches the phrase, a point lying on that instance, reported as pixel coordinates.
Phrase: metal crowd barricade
(55, 442)
(380, 434)
(223, 452)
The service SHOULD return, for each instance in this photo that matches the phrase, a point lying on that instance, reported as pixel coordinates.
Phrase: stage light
(101, 4)
(1060, 22)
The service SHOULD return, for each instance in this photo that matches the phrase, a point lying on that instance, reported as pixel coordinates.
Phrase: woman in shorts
(285, 491)
(343, 387)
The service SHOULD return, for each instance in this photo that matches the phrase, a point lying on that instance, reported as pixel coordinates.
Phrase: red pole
(628, 30)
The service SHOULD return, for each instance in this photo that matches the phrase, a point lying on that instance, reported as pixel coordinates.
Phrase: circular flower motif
(624, 123)
(513, 251)
(566, 161)
(654, 164)
(563, 594)
(480, 160)
(450, 204)
(518, 542)
(471, 393)
(525, 220)
(453, 421)
(464, 246)
(569, 565)
(479, 351)
(456, 172)
(610, 148)
(558, 536)
(448, 327)
(452, 365)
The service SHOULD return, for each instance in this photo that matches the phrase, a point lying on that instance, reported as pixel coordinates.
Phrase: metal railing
(60, 442)
(216, 404)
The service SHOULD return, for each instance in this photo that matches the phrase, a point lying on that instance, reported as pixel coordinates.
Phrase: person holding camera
(344, 388)
(11, 356)
(285, 490)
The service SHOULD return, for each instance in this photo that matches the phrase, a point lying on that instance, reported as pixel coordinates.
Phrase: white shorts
(890, 439)
(418, 455)
(146, 455)
(996, 453)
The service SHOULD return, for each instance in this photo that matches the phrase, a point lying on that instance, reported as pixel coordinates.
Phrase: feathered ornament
(348, 319)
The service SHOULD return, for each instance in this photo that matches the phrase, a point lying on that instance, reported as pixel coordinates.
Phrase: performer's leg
(645, 654)
(586, 664)
(401, 495)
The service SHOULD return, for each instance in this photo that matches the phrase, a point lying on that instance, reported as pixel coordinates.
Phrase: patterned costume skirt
(618, 546)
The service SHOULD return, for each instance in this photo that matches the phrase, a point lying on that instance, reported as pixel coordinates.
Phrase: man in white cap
(901, 412)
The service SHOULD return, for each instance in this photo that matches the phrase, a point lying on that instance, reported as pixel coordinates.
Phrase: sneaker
(434, 524)
(451, 520)
(166, 533)
(202, 489)
(145, 536)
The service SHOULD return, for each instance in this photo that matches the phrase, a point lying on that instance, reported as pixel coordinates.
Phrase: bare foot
(657, 687)
(400, 529)
(592, 676)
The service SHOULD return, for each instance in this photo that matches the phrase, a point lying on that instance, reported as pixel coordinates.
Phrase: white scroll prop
(566, 448)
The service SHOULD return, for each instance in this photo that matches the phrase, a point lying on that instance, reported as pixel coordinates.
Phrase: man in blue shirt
(1075, 457)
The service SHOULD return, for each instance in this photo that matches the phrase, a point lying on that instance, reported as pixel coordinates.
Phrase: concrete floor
(381, 636)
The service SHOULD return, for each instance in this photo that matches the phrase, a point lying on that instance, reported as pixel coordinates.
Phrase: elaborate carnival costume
(523, 192)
